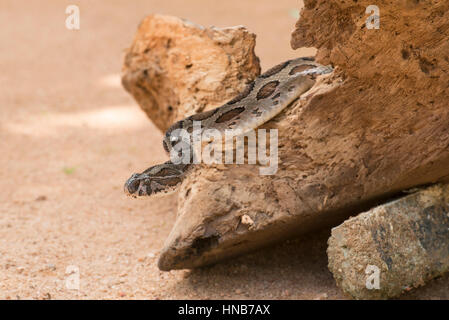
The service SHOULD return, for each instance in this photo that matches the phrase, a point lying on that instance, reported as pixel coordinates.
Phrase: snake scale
(260, 101)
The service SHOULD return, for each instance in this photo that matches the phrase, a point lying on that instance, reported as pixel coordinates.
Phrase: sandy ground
(69, 138)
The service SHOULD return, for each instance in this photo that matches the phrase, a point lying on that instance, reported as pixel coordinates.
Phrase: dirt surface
(70, 136)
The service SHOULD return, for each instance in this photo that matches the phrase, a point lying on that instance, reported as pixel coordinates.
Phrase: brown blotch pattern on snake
(267, 90)
(230, 115)
(203, 115)
(275, 97)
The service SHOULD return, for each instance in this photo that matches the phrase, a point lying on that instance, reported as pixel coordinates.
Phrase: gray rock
(394, 247)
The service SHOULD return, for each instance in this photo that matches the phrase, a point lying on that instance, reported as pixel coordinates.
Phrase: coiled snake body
(262, 99)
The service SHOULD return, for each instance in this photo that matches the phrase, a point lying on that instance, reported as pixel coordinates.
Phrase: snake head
(159, 179)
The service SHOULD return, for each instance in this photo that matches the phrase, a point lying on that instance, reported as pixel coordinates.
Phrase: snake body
(260, 101)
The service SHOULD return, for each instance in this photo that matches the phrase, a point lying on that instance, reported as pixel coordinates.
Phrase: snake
(261, 100)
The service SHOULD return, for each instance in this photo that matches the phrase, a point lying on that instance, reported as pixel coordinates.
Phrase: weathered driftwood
(378, 126)
(394, 247)
(175, 68)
